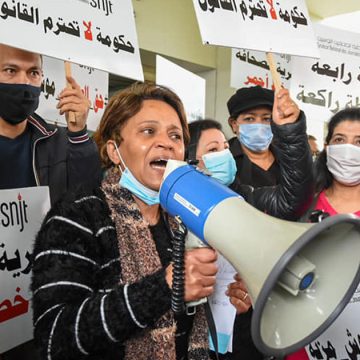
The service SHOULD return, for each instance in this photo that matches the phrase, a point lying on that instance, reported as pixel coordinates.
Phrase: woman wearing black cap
(251, 110)
(287, 200)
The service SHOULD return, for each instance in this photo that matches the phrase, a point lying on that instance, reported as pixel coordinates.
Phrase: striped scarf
(138, 258)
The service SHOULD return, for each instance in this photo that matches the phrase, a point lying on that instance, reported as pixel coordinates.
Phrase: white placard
(222, 310)
(99, 34)
(324, 86)
(348, 21)
(21, 214)
(94, 84)
(342, 339)
(189, 87)
(281, 26)
(250, 68)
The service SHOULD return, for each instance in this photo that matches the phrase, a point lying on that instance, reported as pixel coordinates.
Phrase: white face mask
(343, 161)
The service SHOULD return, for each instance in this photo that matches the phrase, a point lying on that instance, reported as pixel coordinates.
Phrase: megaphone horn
(290, 268)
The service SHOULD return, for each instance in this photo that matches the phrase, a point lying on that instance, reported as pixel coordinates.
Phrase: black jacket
(62, 160)
(292, 194)
(248, 172)
(80, 309)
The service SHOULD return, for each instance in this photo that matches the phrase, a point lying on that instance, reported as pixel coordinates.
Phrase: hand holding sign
(70, 115)
(285, 110)
(74, 101)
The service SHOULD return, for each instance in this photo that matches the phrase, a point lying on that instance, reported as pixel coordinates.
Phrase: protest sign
(342, 339)
(324, 86)
(94, 84)
(271, 26)
(22, 211)
(99, 34)
(250, 68)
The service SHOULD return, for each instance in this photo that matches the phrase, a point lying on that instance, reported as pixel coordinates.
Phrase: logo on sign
(14, 213)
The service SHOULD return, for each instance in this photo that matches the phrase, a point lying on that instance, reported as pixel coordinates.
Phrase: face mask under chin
(129, 181)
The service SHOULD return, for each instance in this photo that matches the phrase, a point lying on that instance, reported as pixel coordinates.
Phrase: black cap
(248, 98)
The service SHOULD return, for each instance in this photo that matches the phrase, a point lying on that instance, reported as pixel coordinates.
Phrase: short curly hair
(127, 103)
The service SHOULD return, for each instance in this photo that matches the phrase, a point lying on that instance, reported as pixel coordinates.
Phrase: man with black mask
(32, 151)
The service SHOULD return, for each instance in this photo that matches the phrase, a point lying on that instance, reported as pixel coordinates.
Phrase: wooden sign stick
(71, 114)
(274, 73)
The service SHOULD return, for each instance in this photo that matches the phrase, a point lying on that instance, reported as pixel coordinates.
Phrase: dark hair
(127, 103)
(324, 178)
(195, 130)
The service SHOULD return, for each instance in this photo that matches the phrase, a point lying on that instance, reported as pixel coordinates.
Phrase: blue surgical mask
(256, 137)
(129, 181)
(222, 166)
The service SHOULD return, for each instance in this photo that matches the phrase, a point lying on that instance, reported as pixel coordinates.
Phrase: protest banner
(271, 26)
(250, 68)
(94, 84)
(187, 85)
(22, 211)
(99, 34)
(324, 86)
(342, 339)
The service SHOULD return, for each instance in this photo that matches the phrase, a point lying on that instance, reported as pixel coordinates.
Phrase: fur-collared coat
(90, 301)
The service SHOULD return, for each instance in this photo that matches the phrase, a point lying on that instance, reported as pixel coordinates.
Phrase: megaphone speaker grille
(283, 322)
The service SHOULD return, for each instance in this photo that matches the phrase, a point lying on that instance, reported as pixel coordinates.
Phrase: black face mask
(18, 101)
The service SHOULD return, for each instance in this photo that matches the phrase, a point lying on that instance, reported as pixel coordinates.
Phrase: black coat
(290, 196)
(62, 160)
(80, 309)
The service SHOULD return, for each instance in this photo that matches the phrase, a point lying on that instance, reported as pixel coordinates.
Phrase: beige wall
(223, 89)
(218, 89)
(169, 27)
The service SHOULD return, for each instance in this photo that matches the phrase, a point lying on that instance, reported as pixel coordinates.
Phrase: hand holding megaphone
(199, 273)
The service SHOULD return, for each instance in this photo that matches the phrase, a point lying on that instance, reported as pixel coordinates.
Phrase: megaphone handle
(181, 239)
(178, 286)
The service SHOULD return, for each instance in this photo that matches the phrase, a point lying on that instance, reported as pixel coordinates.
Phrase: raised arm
(290, 198)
